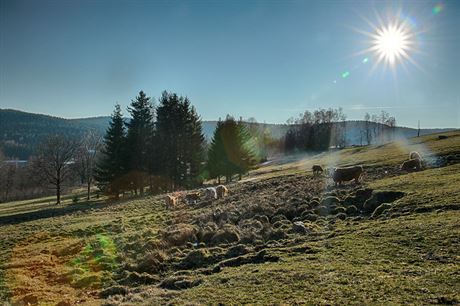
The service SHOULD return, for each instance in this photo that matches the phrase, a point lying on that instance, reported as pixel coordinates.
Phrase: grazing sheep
(210, 193)
(345, 174)
(170, 201)
(317, 169)
(415, 155)
(411, 164)
(192, 198)
(222, 191)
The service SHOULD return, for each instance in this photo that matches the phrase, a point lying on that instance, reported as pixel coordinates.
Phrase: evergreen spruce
(111, 167)
(139, 140)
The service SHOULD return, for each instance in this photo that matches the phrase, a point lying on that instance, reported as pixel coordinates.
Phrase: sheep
(222, 191)
(192, 198)
(411, 164)
(170, 201)
(347, 174)
(415, 155)
(317, 169)
(210, 193)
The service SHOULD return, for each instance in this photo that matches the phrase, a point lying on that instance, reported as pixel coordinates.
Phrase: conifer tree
(139, 138)
(229, 153)
(111, 166)
(181, 141)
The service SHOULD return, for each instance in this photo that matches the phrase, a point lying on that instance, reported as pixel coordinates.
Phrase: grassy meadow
(393, 239)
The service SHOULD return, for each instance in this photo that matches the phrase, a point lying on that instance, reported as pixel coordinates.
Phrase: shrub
(341, 216)
(75, 199)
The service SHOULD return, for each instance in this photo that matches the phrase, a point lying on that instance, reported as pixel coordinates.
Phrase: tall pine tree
(139, 140)
(181, 141)
(111, 167)
(229, 153)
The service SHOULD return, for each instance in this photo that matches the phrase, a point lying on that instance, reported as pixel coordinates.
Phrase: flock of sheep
(344, 174)
(338, 175)
(209, 193)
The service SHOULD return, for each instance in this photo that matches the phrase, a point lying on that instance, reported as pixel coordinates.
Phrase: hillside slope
(20, 132)
(393, 239)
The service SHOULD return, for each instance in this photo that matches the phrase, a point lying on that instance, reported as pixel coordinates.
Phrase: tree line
(315, 131)
(162, 147)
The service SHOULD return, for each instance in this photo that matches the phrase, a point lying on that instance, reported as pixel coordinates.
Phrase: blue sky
(265, 59)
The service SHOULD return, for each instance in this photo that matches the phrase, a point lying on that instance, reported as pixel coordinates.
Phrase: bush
(75, 199)
(380, 209)
(341, 216)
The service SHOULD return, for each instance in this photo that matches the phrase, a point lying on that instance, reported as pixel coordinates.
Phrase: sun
(391, 43)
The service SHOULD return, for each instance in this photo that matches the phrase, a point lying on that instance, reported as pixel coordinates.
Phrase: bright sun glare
(391, 43)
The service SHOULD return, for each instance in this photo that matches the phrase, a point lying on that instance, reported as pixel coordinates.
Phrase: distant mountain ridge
(21, 132)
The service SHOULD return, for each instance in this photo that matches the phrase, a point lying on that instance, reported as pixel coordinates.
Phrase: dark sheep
(411, 164)
(345, 174)
(317, 169)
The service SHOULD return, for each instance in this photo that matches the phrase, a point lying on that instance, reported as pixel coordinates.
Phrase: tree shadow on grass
(55, 212)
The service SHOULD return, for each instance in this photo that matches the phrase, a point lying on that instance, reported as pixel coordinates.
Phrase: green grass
(412, 259)
(71, 252)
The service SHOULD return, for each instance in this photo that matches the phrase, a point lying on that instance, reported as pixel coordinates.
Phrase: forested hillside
(20, 132)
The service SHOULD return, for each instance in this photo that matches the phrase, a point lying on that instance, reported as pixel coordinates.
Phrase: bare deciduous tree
(86, 159)
(53, 162)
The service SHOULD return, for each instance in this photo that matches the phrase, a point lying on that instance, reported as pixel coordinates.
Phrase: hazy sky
(264, 59)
